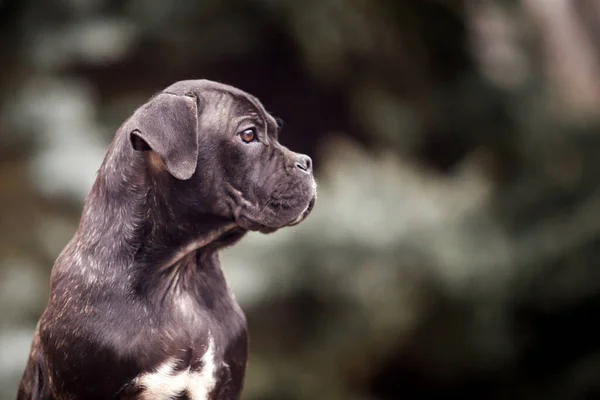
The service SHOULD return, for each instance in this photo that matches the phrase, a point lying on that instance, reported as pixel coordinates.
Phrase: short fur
(138, 297)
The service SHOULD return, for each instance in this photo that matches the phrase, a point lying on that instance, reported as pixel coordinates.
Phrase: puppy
(139, 307)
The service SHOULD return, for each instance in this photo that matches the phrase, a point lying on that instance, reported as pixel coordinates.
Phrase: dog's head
(217, 144)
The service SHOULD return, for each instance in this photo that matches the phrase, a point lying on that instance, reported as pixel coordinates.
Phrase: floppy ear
(167, 125)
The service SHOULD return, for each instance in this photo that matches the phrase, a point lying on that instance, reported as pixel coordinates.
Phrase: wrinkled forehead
(223, 107)
(224, 102)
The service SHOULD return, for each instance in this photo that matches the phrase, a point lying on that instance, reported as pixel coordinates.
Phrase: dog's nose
(304, 164)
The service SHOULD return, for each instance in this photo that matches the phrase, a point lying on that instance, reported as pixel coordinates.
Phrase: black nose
(304, 163)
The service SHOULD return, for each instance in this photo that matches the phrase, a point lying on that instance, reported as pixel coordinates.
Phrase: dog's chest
(202, 353)
(177, 378)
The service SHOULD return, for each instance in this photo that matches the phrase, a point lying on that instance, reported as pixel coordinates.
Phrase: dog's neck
(131, 222)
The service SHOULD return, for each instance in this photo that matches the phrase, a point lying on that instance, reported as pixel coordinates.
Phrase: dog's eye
(248, 135)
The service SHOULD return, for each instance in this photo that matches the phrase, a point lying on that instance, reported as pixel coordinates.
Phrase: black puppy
(139, 307)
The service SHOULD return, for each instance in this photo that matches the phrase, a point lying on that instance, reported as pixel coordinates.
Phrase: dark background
(454, 247)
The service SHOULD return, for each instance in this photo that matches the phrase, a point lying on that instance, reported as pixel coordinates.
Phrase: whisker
(267, 205)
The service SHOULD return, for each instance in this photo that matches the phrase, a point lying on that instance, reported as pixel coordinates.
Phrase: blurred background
(455, 244)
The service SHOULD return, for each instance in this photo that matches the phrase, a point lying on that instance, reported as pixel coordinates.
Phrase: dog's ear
(167, 125)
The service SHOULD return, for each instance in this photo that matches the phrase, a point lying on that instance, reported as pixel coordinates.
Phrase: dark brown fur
(177, 184)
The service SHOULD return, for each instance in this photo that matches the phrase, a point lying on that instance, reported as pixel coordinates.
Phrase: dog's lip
(256, 226)
(261, 227)
(304, 213)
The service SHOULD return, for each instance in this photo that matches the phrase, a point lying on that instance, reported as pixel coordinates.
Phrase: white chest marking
(165, 383)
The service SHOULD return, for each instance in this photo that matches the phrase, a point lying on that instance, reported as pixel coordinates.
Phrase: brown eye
(248, 135)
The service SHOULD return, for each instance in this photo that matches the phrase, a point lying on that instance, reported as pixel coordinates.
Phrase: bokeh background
(455, 244)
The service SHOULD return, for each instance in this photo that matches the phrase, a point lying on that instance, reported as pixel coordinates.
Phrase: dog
(139, 307)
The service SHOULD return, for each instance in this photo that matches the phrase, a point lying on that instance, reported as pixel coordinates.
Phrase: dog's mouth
(254, 225)
(304, 213)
